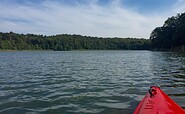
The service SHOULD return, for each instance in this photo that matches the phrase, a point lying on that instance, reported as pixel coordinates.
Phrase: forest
(64, 42)
(170, 36)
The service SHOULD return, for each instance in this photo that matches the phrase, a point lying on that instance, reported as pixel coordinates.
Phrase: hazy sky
(104, 18)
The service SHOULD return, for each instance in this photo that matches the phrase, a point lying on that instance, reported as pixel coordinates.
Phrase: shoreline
(21, 50)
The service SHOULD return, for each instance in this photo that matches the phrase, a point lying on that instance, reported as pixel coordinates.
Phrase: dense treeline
(13, 41)
(171, 36)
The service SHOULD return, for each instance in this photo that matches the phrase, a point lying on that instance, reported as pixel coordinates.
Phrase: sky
(102, 18)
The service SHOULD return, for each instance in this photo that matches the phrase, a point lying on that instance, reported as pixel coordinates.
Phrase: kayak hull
(157, 102)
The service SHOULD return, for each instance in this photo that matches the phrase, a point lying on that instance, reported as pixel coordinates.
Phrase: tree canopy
(14, 41)
(171, 36)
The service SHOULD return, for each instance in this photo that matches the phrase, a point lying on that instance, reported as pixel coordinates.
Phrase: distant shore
(7, 50)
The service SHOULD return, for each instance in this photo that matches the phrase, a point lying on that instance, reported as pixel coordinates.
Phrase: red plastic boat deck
(157, 102)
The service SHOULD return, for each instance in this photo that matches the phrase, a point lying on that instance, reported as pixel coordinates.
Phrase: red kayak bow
(157, 102)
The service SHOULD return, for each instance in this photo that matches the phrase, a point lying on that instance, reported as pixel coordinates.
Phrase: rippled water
(100, 82)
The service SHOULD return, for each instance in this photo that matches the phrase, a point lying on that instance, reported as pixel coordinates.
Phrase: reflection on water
(86, 81)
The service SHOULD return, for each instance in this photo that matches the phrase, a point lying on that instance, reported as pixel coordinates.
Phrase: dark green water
(77, 82)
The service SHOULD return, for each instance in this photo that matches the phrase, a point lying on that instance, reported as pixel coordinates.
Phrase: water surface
(77, 82)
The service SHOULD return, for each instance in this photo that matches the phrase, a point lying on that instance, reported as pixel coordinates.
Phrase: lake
(82, 82)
